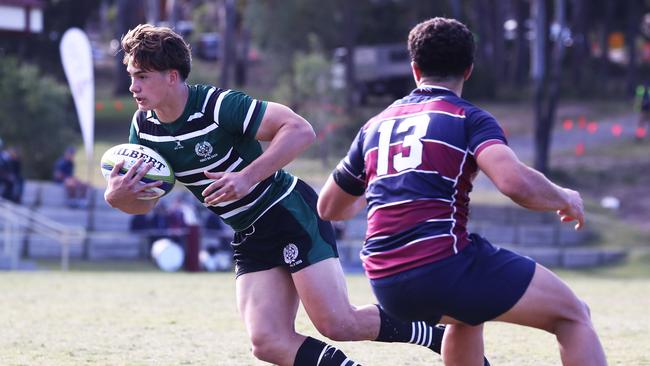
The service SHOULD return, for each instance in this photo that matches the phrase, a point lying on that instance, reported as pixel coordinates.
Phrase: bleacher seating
(108, 235)
(51, 195)
(539, 235)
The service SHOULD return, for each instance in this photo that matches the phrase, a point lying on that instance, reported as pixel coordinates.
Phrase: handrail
(16, 216)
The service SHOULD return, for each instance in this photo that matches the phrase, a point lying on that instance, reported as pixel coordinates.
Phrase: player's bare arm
(528, 187)
(289, 135)
(126, 192)
(336, 204)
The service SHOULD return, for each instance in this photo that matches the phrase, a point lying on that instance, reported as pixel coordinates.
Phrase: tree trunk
(241, 64)
(485, 46)
(351, 26)
(129, 14)
(153, 11)
(521, 45)
(228, 58)
(547, 79)
(539, 72)
(580, 52)
(604, 44)
(456, 9)
(631, 33)
(498, 40)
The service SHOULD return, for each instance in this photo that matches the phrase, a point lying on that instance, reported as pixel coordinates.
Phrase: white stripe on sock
(419, 333)
(412, 332)
(424, 334)
(322, 353)
(430, 337)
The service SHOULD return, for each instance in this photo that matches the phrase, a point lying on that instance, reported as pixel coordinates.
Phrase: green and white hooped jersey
(215, 133)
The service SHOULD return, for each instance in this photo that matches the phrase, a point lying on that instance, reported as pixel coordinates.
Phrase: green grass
(130, 314)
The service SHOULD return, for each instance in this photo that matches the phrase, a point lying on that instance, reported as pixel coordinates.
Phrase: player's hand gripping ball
(131, 153)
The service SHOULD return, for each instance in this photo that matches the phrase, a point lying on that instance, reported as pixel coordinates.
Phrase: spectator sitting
(217, 244)
(139, 225)
(75, 189)
(11, 179)
(158, 222)
(219, 232)
(4, 173)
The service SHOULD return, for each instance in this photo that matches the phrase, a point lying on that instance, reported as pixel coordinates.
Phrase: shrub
(36, 116)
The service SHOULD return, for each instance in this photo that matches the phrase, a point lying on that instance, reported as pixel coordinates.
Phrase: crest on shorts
(290, 254)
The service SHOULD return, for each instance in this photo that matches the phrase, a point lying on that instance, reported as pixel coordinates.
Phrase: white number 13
(412, 140)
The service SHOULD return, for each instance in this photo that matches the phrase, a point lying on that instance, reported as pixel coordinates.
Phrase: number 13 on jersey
(388, 131)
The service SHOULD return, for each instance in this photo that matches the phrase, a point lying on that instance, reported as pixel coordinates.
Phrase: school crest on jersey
(291, 254)
(204, 150)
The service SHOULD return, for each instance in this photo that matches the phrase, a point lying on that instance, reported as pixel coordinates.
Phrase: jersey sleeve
(133, 132)
(350, 172)
(483, 131)
(239, 113)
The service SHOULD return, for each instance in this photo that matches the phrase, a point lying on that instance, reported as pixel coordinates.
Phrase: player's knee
(266, 346)
(581, 312)
(334, 330)
(587, 310)
(577, 314)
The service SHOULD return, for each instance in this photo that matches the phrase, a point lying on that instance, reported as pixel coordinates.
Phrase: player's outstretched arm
(336, 204)
(126, 192)
(527, 187)
(289, 135)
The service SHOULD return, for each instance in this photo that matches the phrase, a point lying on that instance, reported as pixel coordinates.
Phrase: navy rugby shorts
(478, 284)
(290, 234)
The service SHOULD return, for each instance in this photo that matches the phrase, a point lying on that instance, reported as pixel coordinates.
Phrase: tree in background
(129, 14)
(546, 75)
(36, 118)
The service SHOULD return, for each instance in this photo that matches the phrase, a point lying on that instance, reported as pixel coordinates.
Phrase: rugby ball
(131, 153)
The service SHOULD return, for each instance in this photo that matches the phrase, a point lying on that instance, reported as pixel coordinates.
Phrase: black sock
(392, 329)
(313, 352)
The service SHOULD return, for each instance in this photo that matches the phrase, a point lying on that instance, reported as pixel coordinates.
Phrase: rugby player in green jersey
(284, 253)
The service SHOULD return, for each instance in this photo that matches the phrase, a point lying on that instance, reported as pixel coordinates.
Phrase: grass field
(131, 314)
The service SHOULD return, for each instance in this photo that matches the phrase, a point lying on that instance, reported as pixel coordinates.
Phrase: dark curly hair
(441, 47)
(157, 48)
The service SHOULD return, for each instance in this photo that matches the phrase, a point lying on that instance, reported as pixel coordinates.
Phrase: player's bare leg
(268, 302)
(462, 344)
(324, 295)
(549, 304)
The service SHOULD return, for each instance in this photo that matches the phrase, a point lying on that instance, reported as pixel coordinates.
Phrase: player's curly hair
(441, 47)
(157, 48)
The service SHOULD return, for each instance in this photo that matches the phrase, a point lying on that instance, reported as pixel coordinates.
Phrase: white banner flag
(76, 57)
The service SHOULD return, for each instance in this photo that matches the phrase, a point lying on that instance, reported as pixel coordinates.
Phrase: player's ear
(417, 73)
(174, 76)
(468, 72)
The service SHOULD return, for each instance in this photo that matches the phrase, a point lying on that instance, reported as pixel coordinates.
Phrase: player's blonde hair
(157, 48)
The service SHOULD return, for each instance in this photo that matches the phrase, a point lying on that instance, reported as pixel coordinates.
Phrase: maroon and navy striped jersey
(415, 162)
